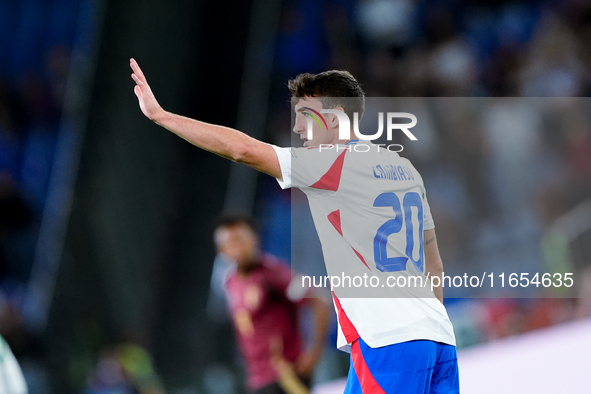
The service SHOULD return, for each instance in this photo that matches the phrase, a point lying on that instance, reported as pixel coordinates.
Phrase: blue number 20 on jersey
(402, 214)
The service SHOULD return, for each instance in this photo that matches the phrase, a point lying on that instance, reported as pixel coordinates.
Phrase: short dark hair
(330, 87)
(228, 219)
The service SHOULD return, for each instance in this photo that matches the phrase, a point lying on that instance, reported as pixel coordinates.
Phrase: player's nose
(298, 128)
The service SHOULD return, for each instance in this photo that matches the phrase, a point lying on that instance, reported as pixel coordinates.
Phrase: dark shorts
(415, 367)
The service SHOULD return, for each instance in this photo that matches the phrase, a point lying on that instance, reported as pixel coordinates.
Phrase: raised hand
(148, 103)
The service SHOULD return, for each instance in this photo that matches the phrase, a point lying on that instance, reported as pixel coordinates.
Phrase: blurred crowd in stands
(424, 48)
(124, 369)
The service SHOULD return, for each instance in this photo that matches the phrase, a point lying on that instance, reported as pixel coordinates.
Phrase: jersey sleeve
(281, 279)
(303, 167)
(284, 157)
(428, 223)
(278, 276)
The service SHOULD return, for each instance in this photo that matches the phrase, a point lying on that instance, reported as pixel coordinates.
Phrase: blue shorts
(415, 367)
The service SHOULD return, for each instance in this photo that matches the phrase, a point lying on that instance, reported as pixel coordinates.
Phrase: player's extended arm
(307, 361)
(433, 263)
(224, 141)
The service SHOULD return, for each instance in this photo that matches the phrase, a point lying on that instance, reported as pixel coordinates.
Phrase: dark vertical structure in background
(138, 254)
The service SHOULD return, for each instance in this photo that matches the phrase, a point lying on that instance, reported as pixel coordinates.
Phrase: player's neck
(246, 269)
(346, 140)
(343, 142)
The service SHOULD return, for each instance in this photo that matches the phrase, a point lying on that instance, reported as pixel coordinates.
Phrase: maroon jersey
(264, 315)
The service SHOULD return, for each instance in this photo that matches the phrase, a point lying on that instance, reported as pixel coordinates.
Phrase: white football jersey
(370, 210)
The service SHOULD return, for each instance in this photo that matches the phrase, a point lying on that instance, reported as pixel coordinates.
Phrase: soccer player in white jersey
(372, 217)
(11, 377)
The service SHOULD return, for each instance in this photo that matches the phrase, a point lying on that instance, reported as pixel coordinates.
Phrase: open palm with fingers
(148, 103)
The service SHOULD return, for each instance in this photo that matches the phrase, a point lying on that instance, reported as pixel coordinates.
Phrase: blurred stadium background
(105, 244)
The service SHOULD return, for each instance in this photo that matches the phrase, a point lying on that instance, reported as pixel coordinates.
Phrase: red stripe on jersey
(349, 330)
(366, 380)
(361, 257)
(332, 178)
(335, 219)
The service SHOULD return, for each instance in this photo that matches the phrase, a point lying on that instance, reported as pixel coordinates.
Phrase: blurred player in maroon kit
(265, 304)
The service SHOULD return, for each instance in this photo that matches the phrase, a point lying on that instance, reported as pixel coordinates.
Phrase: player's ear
(335, 120)
(332, 120)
